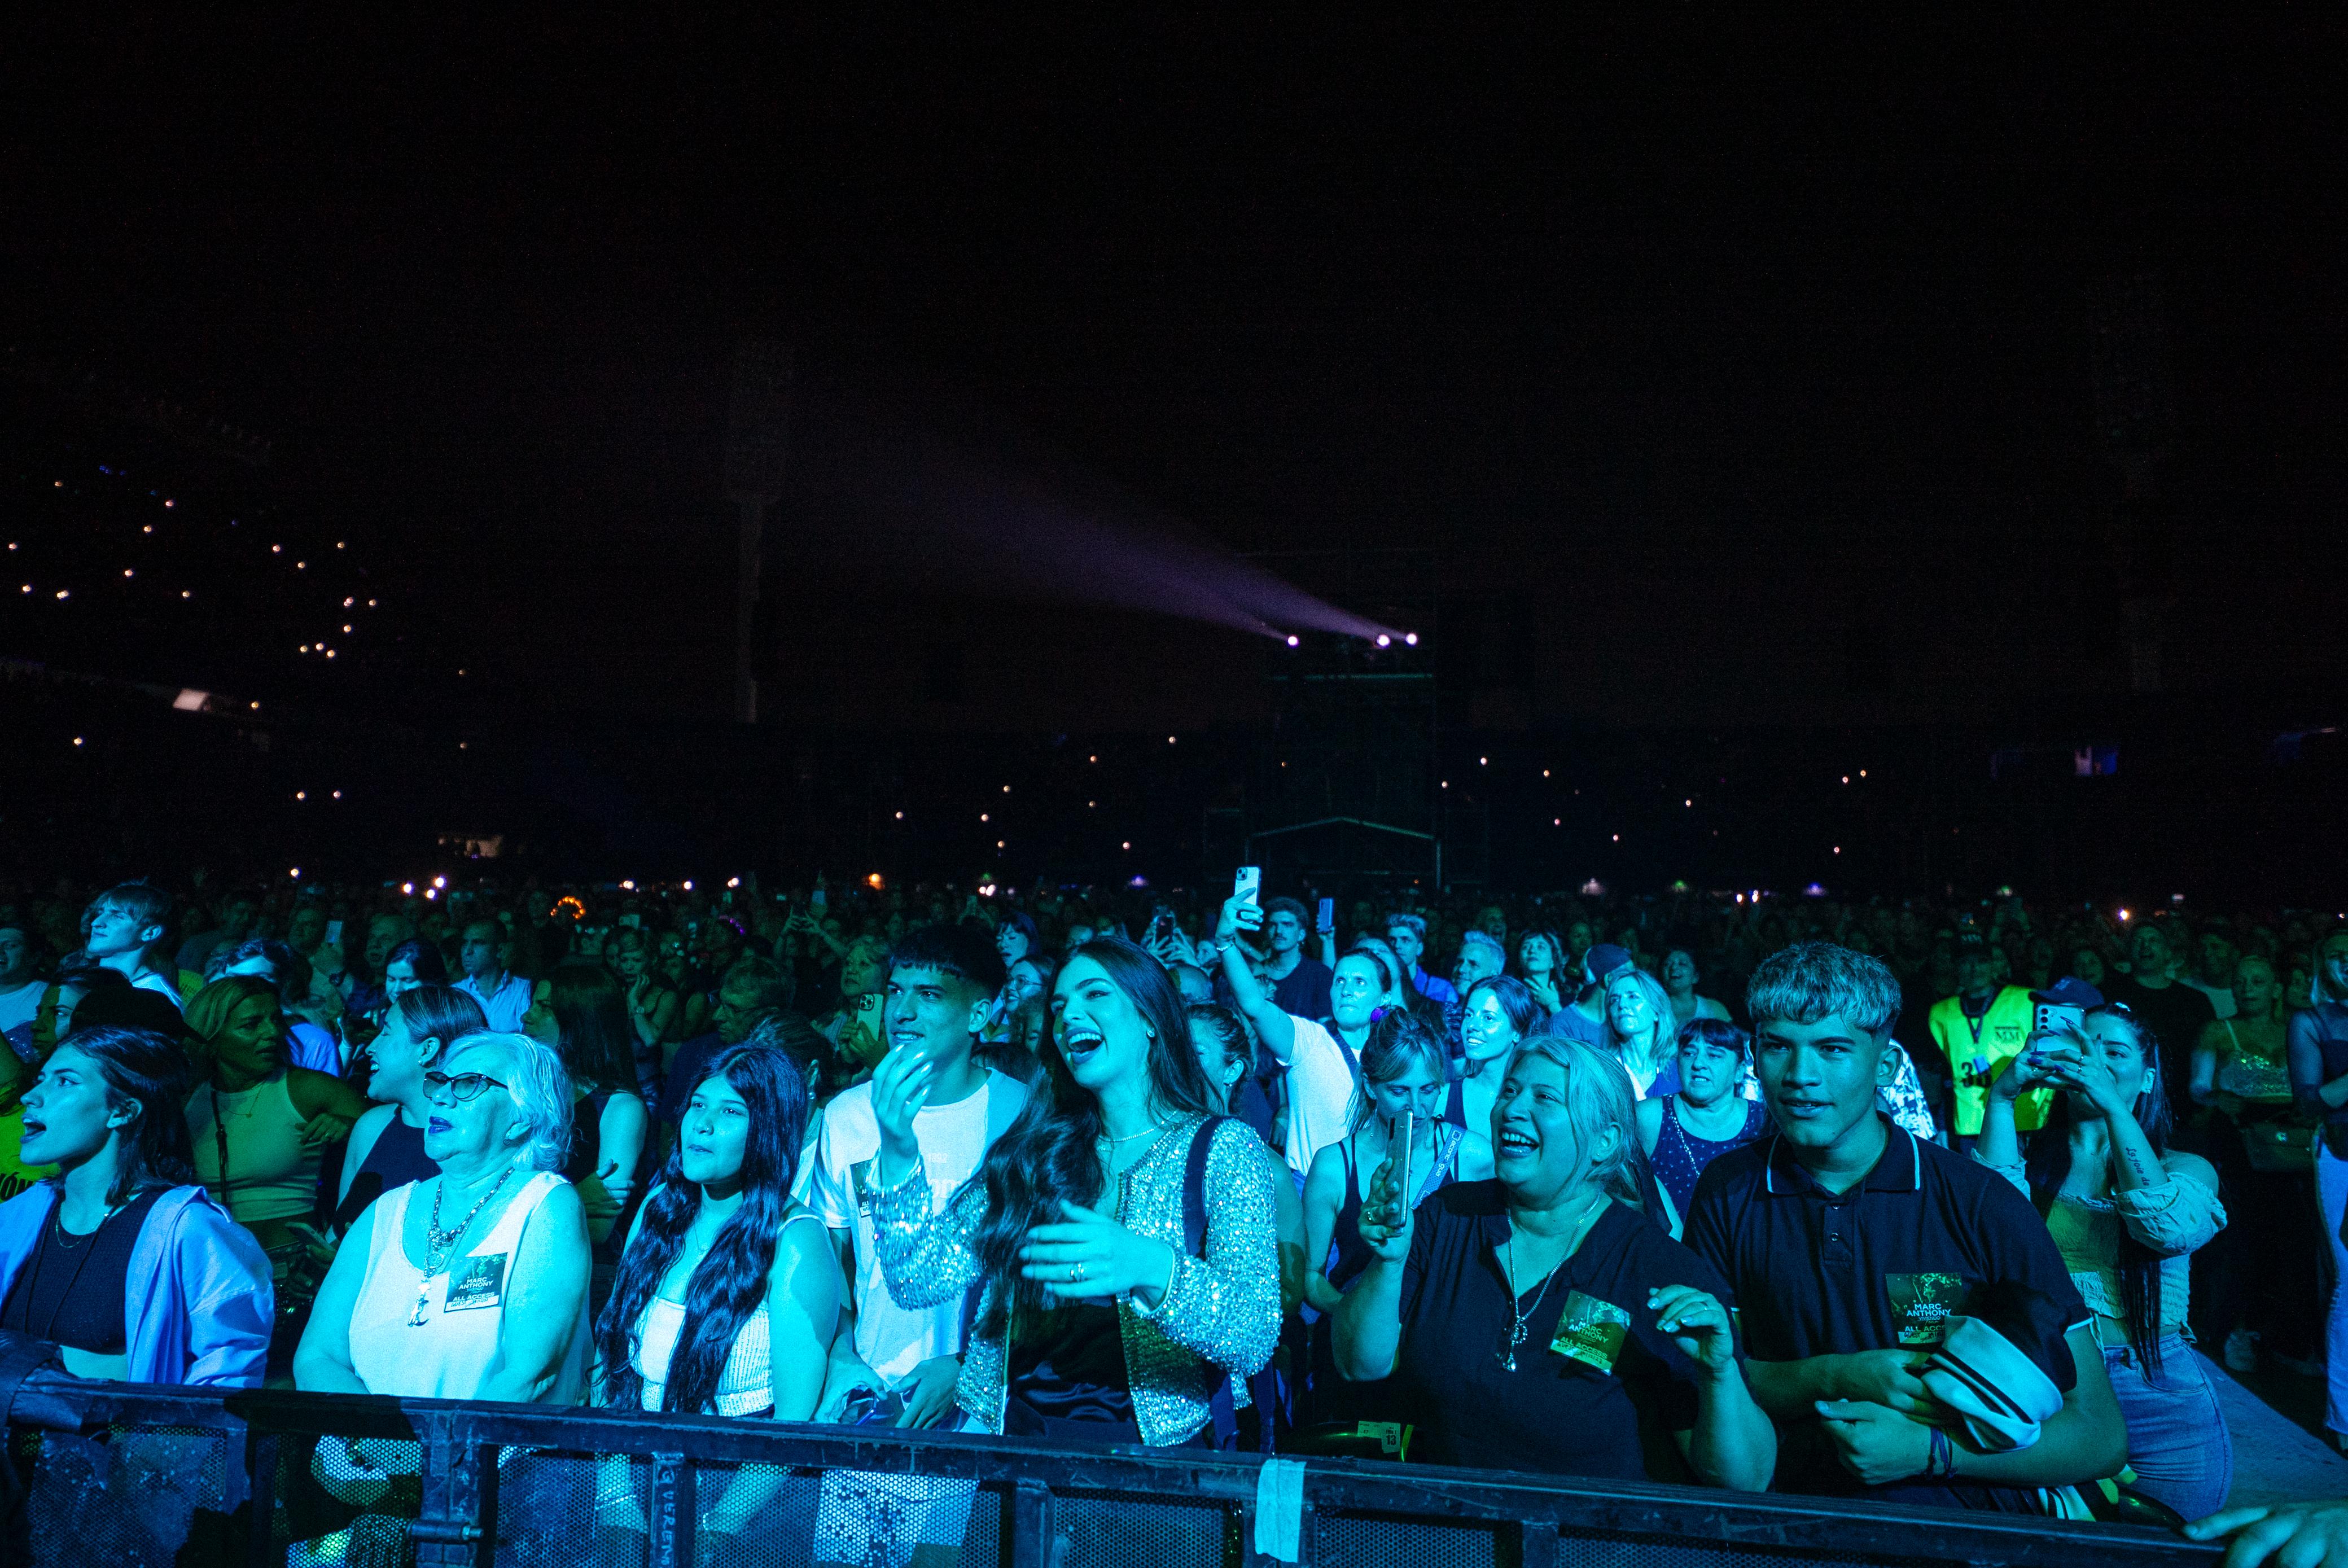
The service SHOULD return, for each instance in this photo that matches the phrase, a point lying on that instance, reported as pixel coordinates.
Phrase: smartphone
(1409, 1143)
(1328, 921)
(334, 934)
(1248, 886)
(2049, 1018)
(815, 901)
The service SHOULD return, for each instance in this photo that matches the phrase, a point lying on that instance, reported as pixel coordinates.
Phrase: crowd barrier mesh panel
(1137, 1530)
(345, 1503)
(120, 1495)
(1372, 1541)
(1598, 1549)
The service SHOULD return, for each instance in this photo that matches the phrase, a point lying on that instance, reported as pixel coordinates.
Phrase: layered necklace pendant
(440, 1246)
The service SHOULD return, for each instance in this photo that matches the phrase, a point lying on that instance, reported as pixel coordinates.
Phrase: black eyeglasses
(463, 1087)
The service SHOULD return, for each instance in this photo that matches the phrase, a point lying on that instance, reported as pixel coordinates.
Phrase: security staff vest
(1975, 1059)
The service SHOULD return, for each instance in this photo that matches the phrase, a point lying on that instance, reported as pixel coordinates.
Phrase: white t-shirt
(891, 1339)
(1320, 1093)
(163, 986)
(18, 1006)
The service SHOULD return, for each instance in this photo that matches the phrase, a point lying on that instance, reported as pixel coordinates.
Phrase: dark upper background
(1725, 373)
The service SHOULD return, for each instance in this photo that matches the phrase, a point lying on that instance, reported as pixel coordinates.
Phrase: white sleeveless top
(449, 1354)
(747, 1384)
(270, 1175)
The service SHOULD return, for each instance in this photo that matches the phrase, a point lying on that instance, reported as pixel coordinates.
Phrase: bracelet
(1942, 1462)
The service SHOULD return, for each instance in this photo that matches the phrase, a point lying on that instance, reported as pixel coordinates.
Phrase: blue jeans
(2177, 1442)
(2331, 1200)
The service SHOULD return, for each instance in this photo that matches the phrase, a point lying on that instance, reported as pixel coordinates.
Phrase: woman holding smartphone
(2127, 1212)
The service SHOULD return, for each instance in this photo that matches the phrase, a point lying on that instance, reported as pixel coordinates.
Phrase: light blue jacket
(198, 1304)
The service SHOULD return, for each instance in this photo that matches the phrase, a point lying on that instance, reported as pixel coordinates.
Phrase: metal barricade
(159, 1475)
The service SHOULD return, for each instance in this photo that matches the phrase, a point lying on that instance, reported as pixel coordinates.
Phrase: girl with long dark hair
(1126, 1269)
(122, 1258)
(729, 1293)
(581, 1013)
(2127, 1212)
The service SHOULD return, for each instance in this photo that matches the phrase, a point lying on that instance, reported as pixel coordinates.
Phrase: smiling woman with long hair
(1126, 1268)
(729, 1293)
(2128, 1213)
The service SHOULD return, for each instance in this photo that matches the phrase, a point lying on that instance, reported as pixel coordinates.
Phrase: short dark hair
(425, 961)
(1413, 924)
(774, 986)
(1285, 905)
(286, 965)
(441, 1014)
(1715, 1032)
(967, 953)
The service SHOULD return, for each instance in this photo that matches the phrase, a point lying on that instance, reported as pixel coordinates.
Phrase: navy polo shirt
(1553, 1413)
(1924, 1236)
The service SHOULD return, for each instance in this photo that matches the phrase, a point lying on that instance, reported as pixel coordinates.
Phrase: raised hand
(1239, 915)
(901, 1087)
(2034, 1066)
(1386, 1214)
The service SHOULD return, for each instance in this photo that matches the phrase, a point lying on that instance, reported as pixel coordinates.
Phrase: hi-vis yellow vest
(1975, 1059)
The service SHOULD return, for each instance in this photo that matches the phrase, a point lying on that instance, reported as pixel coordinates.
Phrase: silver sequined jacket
(1222, 1315)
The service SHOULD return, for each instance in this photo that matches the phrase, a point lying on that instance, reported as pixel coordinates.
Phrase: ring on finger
(1076, 1272)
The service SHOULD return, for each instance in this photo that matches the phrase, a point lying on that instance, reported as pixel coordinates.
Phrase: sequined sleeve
(924, 1255)
(1225, 1306)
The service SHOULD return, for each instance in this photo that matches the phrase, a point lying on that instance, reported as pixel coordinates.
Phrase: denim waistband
(2174, 1347)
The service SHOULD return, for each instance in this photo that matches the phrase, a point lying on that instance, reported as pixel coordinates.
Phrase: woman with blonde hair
(1641, 1030)
(1539, 1321)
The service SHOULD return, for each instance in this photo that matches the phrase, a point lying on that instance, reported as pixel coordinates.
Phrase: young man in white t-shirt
(943, 982)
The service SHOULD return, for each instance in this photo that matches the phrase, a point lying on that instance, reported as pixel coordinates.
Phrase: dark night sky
(1660, 326)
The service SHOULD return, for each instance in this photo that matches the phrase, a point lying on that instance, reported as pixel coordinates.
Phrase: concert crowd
(1924, 1202)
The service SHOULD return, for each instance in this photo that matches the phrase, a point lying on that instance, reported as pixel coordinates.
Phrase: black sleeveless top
(396, 1159)
(72, 1290)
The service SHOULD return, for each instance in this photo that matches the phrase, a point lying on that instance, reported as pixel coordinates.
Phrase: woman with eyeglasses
(472, 1284)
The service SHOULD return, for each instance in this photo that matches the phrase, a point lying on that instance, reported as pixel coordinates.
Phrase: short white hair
(541, 1089)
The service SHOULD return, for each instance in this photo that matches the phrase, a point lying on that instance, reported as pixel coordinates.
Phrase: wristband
(1941, 1463)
